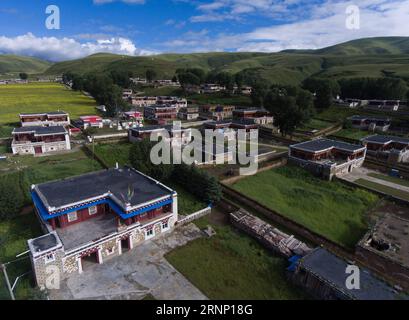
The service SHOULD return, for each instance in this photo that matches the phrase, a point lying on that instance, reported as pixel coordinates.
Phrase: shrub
(198, 182)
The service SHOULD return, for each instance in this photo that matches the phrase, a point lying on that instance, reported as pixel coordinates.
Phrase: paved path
(363, 173)
(136, 273)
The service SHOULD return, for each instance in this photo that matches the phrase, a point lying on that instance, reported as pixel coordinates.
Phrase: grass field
(14, 234)
(40, 97)
(382, 188)
(402, 182)
(316, 124)
(231, 265)
(4, 149)
(112, 153)
(355, 134)
(328, 208)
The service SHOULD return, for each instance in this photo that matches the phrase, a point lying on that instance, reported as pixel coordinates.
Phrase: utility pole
(3, 267)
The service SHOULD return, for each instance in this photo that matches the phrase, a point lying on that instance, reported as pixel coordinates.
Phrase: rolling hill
(370, 57)
(15, 64)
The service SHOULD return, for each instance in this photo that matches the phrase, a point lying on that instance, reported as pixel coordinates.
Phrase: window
(165, 225)
(72, 216)
(92, 210)
(49, 258)
(149, 233)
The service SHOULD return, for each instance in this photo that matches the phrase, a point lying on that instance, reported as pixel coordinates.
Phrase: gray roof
(45, 242)
(324, 144)
(52, 113)
(119, 182)
(38, 130)
(385, 139)
(332, 270)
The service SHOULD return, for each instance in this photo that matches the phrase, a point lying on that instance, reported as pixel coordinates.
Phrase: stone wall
(44, 272)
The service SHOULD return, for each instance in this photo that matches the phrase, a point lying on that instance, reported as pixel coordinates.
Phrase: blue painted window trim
(46, 216)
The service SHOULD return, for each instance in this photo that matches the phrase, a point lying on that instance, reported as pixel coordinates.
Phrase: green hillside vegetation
(94, 62)
(371, 57)
(11, 64)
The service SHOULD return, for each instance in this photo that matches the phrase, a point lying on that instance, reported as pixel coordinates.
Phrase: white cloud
(324, 26)
(55, 49)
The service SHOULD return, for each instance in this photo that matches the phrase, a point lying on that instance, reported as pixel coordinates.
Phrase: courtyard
(136, 274)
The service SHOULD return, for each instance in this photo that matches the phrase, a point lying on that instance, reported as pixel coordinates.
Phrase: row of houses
(211, 88)
(139, 102)
(331, 158)
(377, 105)
(157, 83)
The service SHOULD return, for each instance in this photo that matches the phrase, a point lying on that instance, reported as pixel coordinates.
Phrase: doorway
(125, 244)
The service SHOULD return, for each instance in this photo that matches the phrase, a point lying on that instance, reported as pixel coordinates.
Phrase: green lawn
(385, 189)
(329, 208)
(112, 153)
(4, 149)
(187, 203)
(317, 124)
(355, 134)
(402, 182)
(14, 234)
(41, 97)
(231, 265)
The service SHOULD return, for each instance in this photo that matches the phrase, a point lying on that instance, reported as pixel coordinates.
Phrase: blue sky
(142, 27)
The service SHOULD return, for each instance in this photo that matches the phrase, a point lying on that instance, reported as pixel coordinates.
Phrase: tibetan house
(45, 119)
(39, 140)
(86, 122)
(161, 114)
(327, 158)
(370, 123)
(216, 112)
(177, 136)
(388, 148)
(323, 275)
(260, 117)
(97, 216)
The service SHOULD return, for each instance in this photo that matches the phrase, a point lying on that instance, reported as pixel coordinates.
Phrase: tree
(239, 80)
(258, 94)
(188, 78)
(121, 78)
(325, 91)
(151, 75)
(198, 182)
(140, 160)
(23, 76)
(374, 88)
(290, 107)
(225, 79)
